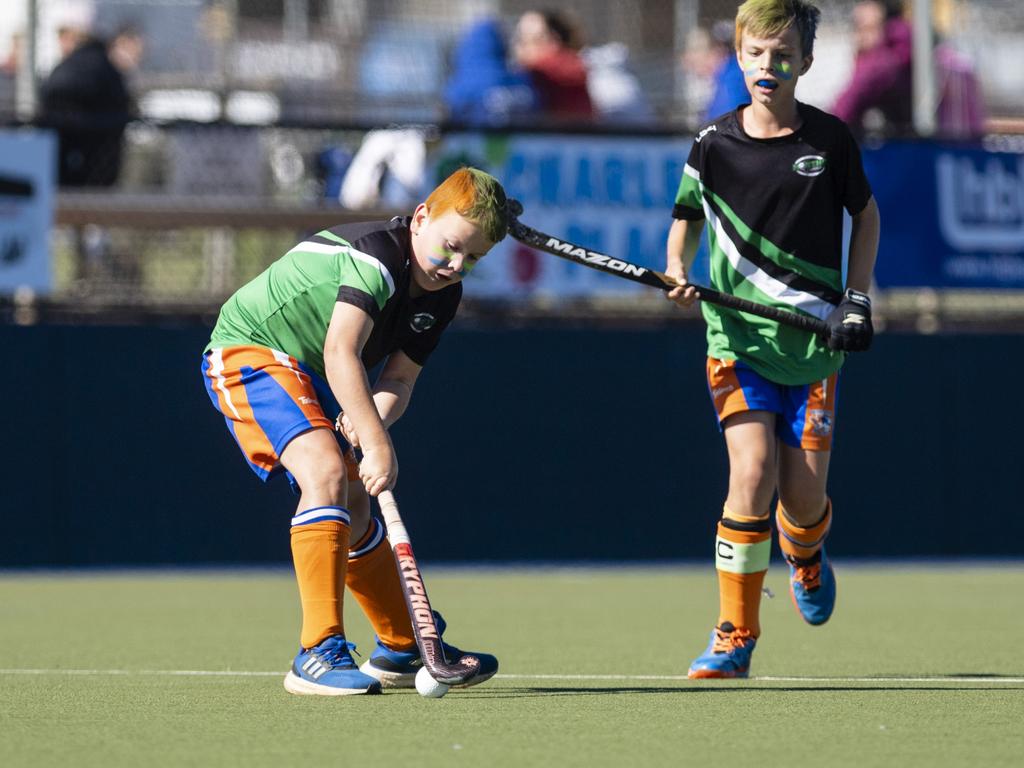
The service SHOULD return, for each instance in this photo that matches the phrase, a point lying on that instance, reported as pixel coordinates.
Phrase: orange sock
(742, 551)
(802, 543)
(373, 581)
(319, 540)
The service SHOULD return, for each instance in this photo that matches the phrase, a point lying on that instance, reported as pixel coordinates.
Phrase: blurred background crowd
(340, 104)
(95, 66)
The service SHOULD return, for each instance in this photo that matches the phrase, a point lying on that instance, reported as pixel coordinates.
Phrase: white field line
(568, 678)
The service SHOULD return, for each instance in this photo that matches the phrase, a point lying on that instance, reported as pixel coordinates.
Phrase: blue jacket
(482, 89)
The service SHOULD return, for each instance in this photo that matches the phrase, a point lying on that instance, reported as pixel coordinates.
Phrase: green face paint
(781, 68)
(444, 258)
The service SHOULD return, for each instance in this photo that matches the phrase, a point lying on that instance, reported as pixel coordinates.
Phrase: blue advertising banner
(608, 194)
(952, 216)
(27, 184)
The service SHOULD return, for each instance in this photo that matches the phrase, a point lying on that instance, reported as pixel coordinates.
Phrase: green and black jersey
(774, 211)
(289, 306)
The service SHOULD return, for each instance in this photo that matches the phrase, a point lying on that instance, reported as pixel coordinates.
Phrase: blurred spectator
(878, 96)
(961, 102)
(86, 101)
(547, 45)
(880, 93)
(614, 90)
(729, 89)
(126, 49)
(482, 88)
(9, 78)
(388, 170)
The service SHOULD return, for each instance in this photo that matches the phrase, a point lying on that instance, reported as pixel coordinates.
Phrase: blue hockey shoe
(812, 585)
(727, 655)
(397, 669)
(328, 670)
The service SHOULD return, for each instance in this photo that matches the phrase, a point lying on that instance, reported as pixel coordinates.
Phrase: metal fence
(199, 208)
(355, 61)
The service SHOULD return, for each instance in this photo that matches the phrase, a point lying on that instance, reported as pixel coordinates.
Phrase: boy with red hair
(290, 354)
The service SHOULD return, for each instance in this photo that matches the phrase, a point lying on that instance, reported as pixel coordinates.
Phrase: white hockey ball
(428, 687)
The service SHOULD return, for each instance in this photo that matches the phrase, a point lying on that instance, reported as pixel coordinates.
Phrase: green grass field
(919, 667)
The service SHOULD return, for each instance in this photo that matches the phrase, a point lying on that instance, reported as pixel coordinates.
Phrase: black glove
(849, 324)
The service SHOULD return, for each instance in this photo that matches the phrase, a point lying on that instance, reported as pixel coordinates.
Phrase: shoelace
(808, 576)
(728, 641)
(339, 657)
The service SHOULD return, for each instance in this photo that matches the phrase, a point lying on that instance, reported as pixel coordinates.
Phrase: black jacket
(86, 101)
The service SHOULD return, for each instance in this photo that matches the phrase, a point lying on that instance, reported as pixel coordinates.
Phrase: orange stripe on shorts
(726, 391)
(235, 406)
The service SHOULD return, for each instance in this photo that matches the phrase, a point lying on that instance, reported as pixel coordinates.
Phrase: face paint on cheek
(750, 68)
(784, 70)
(444, 258)
(441, 258)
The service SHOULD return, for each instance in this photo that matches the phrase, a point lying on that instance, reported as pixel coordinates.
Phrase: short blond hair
(768, 18)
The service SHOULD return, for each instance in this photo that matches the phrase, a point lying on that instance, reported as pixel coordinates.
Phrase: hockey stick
(421, 615)
(428, 638)
(600, 261)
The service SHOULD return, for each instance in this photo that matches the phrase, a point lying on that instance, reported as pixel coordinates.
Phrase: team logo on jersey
(821, 422)
(810, 165)
(422, 321)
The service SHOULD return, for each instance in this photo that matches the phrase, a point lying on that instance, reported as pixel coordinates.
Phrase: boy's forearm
(348, 382)
(391, 397)
(863, 248)
(683, 242)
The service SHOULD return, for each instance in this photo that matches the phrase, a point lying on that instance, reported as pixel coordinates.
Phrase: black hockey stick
(613, 266)
(424, 626)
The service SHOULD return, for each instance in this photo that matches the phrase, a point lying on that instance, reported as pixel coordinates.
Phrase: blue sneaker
(727, 655)
(397, 669)
(328, 670)
(812, 585)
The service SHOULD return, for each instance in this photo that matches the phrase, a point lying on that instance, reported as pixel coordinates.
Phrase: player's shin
(373, 580)
(319, 542)
(799, 542)
(742, 552)
(812, 582)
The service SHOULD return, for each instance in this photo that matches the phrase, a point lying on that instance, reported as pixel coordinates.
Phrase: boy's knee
(327, 476)
(751, 480)
(803, 509)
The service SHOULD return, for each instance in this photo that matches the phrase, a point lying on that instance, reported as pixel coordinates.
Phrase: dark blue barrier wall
(541, 443)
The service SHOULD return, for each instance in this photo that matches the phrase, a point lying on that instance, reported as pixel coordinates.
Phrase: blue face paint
(781, 68)
(446, 261)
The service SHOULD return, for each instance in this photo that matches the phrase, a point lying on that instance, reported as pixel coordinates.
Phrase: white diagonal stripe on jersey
(692, 172)
(374, 262)
(768, 285)
(310, 247)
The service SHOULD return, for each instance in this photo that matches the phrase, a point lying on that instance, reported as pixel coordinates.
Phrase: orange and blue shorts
(267, 399)
(805, 413)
